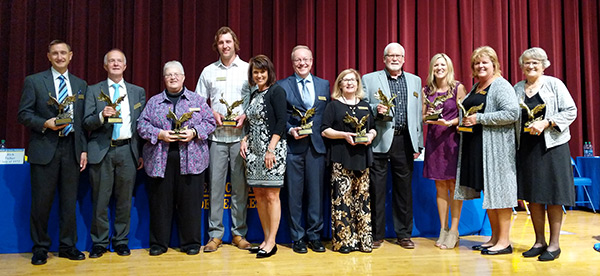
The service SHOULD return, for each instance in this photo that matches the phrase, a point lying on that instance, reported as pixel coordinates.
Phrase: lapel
(49, 84)
(296, 93)
(384, 85)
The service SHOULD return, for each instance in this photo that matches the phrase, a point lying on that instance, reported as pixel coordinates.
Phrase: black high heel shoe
(264, 254)
(254, 249)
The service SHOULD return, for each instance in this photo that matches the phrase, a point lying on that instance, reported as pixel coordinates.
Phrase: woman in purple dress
(441, 148)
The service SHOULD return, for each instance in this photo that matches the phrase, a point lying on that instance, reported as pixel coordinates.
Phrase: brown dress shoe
(212, 245)
(241, 242)
(377, 244)
(406, 243)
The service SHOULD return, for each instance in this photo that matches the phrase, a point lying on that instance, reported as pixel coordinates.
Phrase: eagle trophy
(105, 98)
(361, 134)
(62, 117)
(389, 103)
(178, 121)
(439, 100)
(229, 115)
(305, 128)
(531, 114)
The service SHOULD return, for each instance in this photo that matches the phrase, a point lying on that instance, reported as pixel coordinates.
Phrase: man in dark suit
(399, 141)
(57, 153)
(306, 152)
(113, 152)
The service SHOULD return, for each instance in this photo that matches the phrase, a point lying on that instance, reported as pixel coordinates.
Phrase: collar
(309, 78)
(120, 83)
(235, 62)
(56, 74)
(387, 73)
(184, 95)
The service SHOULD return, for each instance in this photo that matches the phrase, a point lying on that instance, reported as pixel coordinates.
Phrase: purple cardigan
(194, 154)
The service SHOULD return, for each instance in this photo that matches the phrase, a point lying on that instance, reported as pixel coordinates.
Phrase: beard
(394, 67)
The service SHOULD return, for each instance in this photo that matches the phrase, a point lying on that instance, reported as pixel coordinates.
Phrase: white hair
(173, 63)
(393, 44)
(536, 53)
(114, 50)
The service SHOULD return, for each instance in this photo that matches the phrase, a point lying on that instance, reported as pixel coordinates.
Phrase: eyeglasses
(173, 75)
(299, 60)
(349, 80)
(394, 56)
(533, 62)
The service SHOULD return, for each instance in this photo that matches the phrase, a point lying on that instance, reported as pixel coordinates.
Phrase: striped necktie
(63, 92)
(116, 126)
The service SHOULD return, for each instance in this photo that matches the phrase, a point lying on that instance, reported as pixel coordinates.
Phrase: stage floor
(580, 232)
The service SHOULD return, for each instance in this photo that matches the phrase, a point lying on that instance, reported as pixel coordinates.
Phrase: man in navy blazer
(57, 153)
(399, 141)
(113, 153)
(306, 153)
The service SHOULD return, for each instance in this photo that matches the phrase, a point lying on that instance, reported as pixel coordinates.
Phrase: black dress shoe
(549, 256)
(316, 246)
(507, 250)
(299, 247)
(72, 254)
(345, 249)
(122, 250)
(97, 251)
(534, 251)
(480, 247)
(254, 249)
(194, 250)
(156, 250)
(264, 254)
(39, 257)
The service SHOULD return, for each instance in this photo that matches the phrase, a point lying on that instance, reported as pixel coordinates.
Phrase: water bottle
(590, 149)
(586, 149)
(3, 144)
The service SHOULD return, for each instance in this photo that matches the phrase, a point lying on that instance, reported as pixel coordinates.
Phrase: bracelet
(270, 150)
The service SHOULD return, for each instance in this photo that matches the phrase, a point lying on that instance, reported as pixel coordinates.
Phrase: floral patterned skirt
(350, 209)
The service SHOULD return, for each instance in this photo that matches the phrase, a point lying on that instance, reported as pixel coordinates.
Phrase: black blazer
(34, 111)
(101, 134)
(275, 106)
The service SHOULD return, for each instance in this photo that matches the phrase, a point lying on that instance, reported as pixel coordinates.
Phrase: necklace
(351, 107)
(531, 88)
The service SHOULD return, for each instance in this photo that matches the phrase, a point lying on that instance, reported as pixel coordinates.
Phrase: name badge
(81, 97)
(363, 108)
(415, 94)
(137, 105)
(322, 98)
(193, 109)
(221, 78)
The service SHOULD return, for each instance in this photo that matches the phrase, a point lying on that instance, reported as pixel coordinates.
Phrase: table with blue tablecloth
(15, 204)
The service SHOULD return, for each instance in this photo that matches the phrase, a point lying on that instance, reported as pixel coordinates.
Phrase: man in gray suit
(399, 142)
(113, 152)
(57, 153)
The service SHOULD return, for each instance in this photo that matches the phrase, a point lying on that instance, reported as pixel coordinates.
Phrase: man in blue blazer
(399, 142)
(306, 152)
(113, 153)
(57, 153)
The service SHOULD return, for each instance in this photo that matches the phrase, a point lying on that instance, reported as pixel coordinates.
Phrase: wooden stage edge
(580, 232)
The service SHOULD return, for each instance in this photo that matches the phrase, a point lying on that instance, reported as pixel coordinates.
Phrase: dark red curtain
(342, 34)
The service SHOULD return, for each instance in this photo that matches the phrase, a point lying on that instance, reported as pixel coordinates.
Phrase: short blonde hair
(449, 79)
(485, 51)
(536, 53)
(337, 90)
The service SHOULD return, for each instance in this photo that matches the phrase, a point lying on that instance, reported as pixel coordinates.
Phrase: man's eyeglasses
(173, 75)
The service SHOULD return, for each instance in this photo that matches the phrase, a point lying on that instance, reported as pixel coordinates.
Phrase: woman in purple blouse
(175, 161)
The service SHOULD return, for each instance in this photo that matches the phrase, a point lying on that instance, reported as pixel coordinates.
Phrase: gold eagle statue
(384, 100)
(230, 115)
(304, 117)
(61, 106)
(438, 100)
(178, 121)
(471, 110)
(105, 98)
(531, 112)
(358, 124)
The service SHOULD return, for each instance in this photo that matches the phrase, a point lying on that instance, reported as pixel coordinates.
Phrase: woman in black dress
(350, 158)
(544, 172)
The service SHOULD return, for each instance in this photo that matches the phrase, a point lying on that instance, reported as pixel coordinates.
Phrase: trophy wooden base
(307, 131)
(432, 117)
(384, 118)
(465, 129)
(229, 123)
(63, 121)
(360, 139)
(114, 120)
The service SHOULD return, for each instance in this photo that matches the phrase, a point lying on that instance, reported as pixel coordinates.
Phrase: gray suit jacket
(372, 82)
(34, 111)
(101, 134)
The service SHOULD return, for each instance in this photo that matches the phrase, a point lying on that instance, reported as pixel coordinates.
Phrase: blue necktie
(116, 126)
(306, 98)
(63, 92)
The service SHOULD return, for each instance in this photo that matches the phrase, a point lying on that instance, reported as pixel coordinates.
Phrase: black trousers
(400, 158)
(62, 173)
(180, 194)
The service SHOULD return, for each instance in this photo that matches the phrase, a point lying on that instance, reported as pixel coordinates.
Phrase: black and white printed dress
(258, 140)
